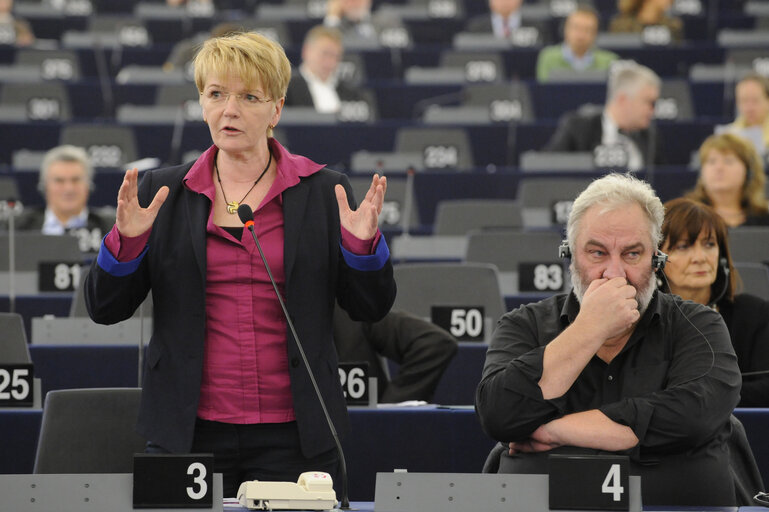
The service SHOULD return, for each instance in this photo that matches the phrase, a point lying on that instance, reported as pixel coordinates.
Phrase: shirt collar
(309, 76)
(580, 63)
(513, 21)
(53, 226)
(290, 169)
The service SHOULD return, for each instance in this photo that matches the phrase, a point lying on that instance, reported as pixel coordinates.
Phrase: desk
(421, 439)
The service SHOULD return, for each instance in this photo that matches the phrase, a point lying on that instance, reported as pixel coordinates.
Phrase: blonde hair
(322, 31)
(753, 199)
(614, 191)
(252, 57)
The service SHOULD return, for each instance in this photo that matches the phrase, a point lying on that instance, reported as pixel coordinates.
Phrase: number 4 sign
(592, 482)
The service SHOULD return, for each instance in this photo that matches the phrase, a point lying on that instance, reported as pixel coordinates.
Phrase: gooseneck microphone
(247, 218)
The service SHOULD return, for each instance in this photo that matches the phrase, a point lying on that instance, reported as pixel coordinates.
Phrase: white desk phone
(313, 491)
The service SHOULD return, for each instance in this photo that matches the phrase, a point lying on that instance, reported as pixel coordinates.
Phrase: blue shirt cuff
(113, 267)
(369, 262)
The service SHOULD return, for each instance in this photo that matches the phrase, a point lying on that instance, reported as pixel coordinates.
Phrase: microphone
(247, 218)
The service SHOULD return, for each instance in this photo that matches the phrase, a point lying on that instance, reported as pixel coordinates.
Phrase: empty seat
(424, 285)
(107, 145)
(505, 102)
(447, 148)
(89, 431)
(755, 278)
(35, 102)
(13, 340)
(53, 64)
(33, 248)
(547, 202)
(675, 101)
(527, 261)
(734, 38)
(749, 244)
(557, 161)
(458, 67)
(459, 216)
(397, 203)
(9, 190)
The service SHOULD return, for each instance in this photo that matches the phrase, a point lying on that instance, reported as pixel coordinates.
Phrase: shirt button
(611, 378)
(294, 362)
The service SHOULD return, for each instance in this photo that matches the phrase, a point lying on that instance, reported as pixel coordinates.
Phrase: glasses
(217, 97)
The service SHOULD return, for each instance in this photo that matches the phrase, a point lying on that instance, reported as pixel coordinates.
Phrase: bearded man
(615, 366)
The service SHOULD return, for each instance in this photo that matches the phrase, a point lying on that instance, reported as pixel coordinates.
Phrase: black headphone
(658, 260)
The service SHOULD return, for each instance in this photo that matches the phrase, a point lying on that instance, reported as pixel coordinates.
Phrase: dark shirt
(674, 387)
(747, 319)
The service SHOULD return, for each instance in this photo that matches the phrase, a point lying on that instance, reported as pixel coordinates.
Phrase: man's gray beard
(643, 296)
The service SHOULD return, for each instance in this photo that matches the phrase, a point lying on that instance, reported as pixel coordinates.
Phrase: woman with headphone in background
(700, 269)
(732, 181)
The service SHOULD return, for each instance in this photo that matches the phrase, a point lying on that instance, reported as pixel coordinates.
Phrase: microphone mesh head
(245, 213)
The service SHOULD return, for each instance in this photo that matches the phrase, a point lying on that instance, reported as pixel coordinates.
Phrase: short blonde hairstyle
(250, 56)
(322, 31)
(753, 199)
(614, 191)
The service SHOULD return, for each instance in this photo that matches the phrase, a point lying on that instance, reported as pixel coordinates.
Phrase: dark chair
(89, 431)
(459, 216)
(13, 340)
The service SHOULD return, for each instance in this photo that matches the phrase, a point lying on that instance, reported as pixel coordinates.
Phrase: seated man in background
(66, 178)
(316, 83)
(356, 22)
(423, 351)
(615, 365)
(504, 20)
(624, 123)
(752, 99)
(577, 52)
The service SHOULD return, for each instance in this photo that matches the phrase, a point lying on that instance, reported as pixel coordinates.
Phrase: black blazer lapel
(294, 205)
(198, 208)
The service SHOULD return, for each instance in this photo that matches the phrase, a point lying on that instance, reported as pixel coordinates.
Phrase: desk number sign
(589, 482)
(16, 381)
(58, 276)
(354, 380)
(173, 481)
(465, 323)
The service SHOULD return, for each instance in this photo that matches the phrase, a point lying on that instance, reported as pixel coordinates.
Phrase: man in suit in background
(506, 21)
(624, 125)
(315, 83)
(66, 179)
(422, 349)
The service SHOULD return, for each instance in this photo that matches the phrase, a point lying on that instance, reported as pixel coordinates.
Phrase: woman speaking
(223, 374)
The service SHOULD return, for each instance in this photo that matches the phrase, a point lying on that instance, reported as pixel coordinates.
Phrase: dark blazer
(582, 130)
(481, 24)
(422, 350)
(298, 93)
(174, 269)
(33, 219)
(747, 319)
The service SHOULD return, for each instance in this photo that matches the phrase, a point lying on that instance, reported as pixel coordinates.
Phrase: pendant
(232, 207)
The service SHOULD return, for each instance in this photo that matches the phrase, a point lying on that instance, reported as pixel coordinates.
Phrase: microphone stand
(10, 208)
(247, 217)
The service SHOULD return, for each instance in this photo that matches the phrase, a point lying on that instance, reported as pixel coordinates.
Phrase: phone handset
(314, 490)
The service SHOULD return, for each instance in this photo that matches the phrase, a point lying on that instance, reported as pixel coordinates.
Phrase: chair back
(89, 431)
(13, 340)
